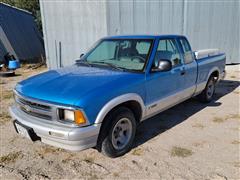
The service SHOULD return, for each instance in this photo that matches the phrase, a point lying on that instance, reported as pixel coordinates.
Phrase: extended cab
(121, 81)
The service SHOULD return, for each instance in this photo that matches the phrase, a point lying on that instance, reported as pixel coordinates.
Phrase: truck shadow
(166, 120)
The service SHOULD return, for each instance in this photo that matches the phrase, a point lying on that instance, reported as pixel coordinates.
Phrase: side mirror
(81, 55)
(163, 65)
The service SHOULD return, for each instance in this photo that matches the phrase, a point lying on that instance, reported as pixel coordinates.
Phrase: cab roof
(143, 36)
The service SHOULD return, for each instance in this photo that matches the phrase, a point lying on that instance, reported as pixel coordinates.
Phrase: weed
(94, 176)
(4, 117)
(115, 174)
(7, 94)
(89, 160)
(67, 159)
(218, 120)
(235, 142)
(181, 152)
(232, 76)
(231, 116)
(234, 116)
(11, 157)
(236, 164)
(138, 152)
(199, 144)
(198, 125)
(47, 150)
(236, 92)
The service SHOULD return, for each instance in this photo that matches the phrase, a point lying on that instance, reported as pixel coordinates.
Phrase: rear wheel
(208, 93)
(118, 133)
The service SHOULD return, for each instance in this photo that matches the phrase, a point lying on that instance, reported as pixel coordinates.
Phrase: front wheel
(118, 134)
(207, 94)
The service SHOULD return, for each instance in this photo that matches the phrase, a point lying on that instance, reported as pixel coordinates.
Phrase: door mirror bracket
(81, 55)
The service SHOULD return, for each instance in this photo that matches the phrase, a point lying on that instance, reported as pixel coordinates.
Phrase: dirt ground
(190, 141)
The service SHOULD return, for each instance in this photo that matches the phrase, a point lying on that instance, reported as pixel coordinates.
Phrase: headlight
(75, 116)
(68, 115)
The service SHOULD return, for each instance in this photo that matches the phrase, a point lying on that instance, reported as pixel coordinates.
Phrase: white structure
(71, 27)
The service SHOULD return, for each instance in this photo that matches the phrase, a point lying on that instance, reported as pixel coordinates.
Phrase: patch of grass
(93, 176)
(231, 116)
(4, 117)
(218, 120)
(11, 157)
(234, 116)
(137, 152)
(198, 125)
(235, 142)
(236, 92)
(236, 164)
(89, 159)
(115, 174)
(47, 150)
(199, 144)
(67, 159)
(181, 152)
(236, 129)
(7, 94)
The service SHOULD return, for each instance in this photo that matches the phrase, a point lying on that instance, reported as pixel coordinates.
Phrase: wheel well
(134, 106)
(215, 74)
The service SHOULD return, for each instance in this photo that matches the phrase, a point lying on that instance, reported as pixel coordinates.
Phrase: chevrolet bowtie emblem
(27, 108)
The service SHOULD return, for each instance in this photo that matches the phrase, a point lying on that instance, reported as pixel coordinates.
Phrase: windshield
(130, 54)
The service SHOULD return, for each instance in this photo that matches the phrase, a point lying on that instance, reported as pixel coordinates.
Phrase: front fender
(116, 101)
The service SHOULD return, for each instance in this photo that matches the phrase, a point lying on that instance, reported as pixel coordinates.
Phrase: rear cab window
(187, 52)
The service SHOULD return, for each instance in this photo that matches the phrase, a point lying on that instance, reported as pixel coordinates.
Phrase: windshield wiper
(110, 65)
(83, 62)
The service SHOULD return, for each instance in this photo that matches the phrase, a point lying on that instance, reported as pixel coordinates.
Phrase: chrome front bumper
(70, 138)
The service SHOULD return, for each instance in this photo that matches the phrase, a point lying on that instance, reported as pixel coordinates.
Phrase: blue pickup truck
(121, 81)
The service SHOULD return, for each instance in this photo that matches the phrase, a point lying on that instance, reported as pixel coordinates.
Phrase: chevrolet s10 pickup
(121, 81)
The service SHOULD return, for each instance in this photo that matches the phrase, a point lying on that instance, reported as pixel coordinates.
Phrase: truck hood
(68, 85)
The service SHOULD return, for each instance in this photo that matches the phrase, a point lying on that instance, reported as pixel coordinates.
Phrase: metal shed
(71, 27)
(19, 34)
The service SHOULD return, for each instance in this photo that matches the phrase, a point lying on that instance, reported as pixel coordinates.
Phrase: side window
(167, 49)
(188, 56)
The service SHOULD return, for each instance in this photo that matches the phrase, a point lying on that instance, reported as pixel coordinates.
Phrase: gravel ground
(190, 141)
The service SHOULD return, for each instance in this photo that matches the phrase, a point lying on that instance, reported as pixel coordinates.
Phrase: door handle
(183, 72)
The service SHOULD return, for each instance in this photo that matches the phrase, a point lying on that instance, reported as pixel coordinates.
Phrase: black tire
(105, 141)
(206, 96)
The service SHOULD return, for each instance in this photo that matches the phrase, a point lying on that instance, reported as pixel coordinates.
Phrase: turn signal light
(79, 117)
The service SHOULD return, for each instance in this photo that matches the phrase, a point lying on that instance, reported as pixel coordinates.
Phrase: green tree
(29, 5)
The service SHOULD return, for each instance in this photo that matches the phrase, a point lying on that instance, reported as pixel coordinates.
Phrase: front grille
(34, 108)
(43, 116)
(34, 105)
